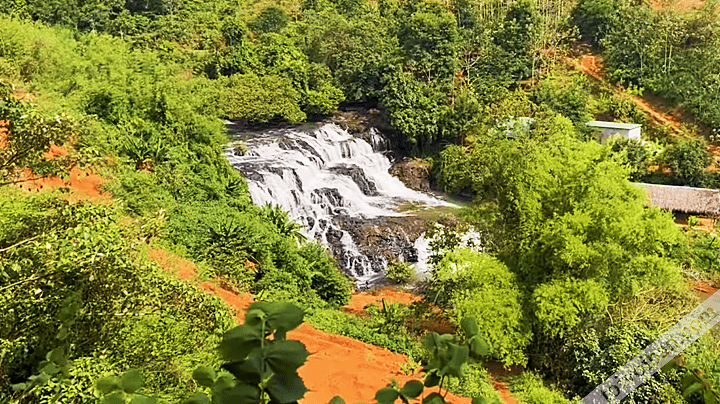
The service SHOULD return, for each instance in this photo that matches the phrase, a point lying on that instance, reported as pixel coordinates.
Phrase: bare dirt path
(337, 365)
(593, 67)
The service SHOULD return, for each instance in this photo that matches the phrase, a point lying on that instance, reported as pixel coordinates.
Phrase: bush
(399, 272)
(688, 160)
(693, 221)
(480, 286)
(598, 354)
(594, 18)
(529, 389)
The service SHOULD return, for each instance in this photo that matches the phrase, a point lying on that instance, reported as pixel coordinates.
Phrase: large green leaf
(248, 371)
(278, 315)
(710, 397)
(239, 394)
(131, 381)
(197, 398)
(469, 326)
(117, 397)
(239, 342)
(285, 357)
(412, 389)
(57, 356)
(144, 400)
(479, 347)
(50, 369)
(284, 389)
(204, 376)
(432, 379)
(388, 395)
(434, 398)
(459, 356)
(107, 384)
(222, 383)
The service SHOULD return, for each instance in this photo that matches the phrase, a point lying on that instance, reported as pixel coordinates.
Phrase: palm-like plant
(277, 216)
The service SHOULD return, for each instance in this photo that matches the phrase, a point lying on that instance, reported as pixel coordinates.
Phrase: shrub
(688, 160)
(529, 388)
(399, 272)
(480, 286)
(693, 221)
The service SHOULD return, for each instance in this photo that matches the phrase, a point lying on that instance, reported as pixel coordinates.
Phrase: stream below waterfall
(338, 186)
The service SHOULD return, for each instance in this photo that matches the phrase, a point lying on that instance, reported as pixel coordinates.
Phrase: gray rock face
(385, 239)
(358, 176)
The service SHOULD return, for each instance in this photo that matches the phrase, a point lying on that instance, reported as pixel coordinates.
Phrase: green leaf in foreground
(131, 381)
(469, 326)
(286, 389)
(144, 400)
(434, 398)
(239, 342)
(204, 376)
(388, 395)
(107, 384)
(412, 389)
(285, 357)
(117, 397)
(197, 398)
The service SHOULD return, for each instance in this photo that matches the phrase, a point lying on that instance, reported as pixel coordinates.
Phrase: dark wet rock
(414, 173)
(358, 176)
(331, 195)
(391, 238)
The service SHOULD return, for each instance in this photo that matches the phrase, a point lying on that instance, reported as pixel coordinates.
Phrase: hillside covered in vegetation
(576, 275)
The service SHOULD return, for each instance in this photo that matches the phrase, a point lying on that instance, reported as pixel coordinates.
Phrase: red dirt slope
(338, 365)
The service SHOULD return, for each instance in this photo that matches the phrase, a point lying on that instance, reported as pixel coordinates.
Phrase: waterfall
(336, 185)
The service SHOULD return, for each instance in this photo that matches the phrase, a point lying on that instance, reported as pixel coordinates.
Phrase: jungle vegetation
(577, 276)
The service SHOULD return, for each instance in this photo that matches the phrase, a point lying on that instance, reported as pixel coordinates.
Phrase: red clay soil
(703, 289)
(83, 185)
(361, 300)
(337, 365)
(593, 67)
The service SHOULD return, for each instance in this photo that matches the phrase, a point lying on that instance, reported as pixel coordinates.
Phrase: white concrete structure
(608, 129)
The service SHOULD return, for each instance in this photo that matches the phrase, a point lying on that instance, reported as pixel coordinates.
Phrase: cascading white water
(321, 175)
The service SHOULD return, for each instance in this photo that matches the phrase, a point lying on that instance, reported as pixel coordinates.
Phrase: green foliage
(356, 51)
(694, 383)
(671, 54)
(413, 108)
(598, 354)
(693, 221)
(261, 98)
(633, 153)
(479, 286)
(516, 36)
(688, 160)
(123, 389)
(529, 388)
(429, 39)
(77, 253)
(449, 356)
(381, 331)
(552, 311)
(704, 252)
(27, 136)
(595, 18)
(566, 95)
(474, 382)
(454, 175)
(271, 19)
(399, 272)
